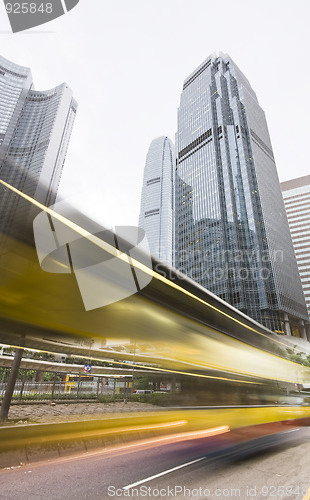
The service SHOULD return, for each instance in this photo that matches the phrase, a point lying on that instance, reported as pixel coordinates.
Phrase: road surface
(179, 470)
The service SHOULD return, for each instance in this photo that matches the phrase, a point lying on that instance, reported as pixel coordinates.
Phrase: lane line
(129, 486)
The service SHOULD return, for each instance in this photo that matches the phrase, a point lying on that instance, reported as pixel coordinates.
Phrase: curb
(33, 442)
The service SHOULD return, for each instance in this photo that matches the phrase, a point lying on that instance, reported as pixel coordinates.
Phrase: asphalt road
(189, 469)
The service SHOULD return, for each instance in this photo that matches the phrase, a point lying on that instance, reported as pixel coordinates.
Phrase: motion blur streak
(186, 436)
(243, 423)
(158, 426)
(222, 373)
(83, 232)
(128, 260)
(186, 349)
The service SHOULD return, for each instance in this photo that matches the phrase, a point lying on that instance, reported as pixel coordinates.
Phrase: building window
(153, 181)
(149, 213)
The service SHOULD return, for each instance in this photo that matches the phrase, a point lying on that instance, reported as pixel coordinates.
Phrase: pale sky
(126, 62)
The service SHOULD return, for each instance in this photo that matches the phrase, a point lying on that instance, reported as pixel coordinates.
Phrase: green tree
(142, 383)
(50, 376)
(297, 357)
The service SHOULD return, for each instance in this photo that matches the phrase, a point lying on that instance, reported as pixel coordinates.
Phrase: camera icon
(24, 15)
(109, 264)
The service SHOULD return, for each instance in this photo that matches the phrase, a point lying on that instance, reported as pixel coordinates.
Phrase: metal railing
(30, 390)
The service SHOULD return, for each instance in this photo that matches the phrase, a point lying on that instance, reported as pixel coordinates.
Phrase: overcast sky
(126, 62)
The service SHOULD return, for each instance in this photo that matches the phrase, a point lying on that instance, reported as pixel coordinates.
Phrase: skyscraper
(232, 234)
(296, 194)
(157, 213)
(35, 128)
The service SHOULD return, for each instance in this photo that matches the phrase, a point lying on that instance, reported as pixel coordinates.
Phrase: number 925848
(29, 8)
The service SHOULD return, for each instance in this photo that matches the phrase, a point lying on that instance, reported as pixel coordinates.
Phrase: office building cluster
(296, 194)
(211, 205)
(35, 129)
(229, 231)
(157, 205)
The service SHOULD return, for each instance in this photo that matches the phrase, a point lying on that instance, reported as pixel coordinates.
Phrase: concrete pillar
(78, 386)
(302, 330)
(173, 384)
(287, 326)
(98, 386)
(23, 385)
(53, 388)
(308, 331)
(6, 402)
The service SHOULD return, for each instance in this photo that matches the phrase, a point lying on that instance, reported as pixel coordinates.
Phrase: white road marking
(162, 473)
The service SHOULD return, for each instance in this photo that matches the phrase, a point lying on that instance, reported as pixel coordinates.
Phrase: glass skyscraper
(35, 128)
(296, 194)
(157, 212)
(232, 234)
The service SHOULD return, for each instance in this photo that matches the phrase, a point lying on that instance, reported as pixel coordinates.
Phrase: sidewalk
(67, 412)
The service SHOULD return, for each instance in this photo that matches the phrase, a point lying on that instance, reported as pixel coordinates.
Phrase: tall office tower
(232, 234)
(296, 194)
(35, 128)
(157, 213)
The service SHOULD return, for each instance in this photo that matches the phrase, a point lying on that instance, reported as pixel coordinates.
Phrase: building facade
(157, 203)
(232, 234)
(35, 128)
(296, 194)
